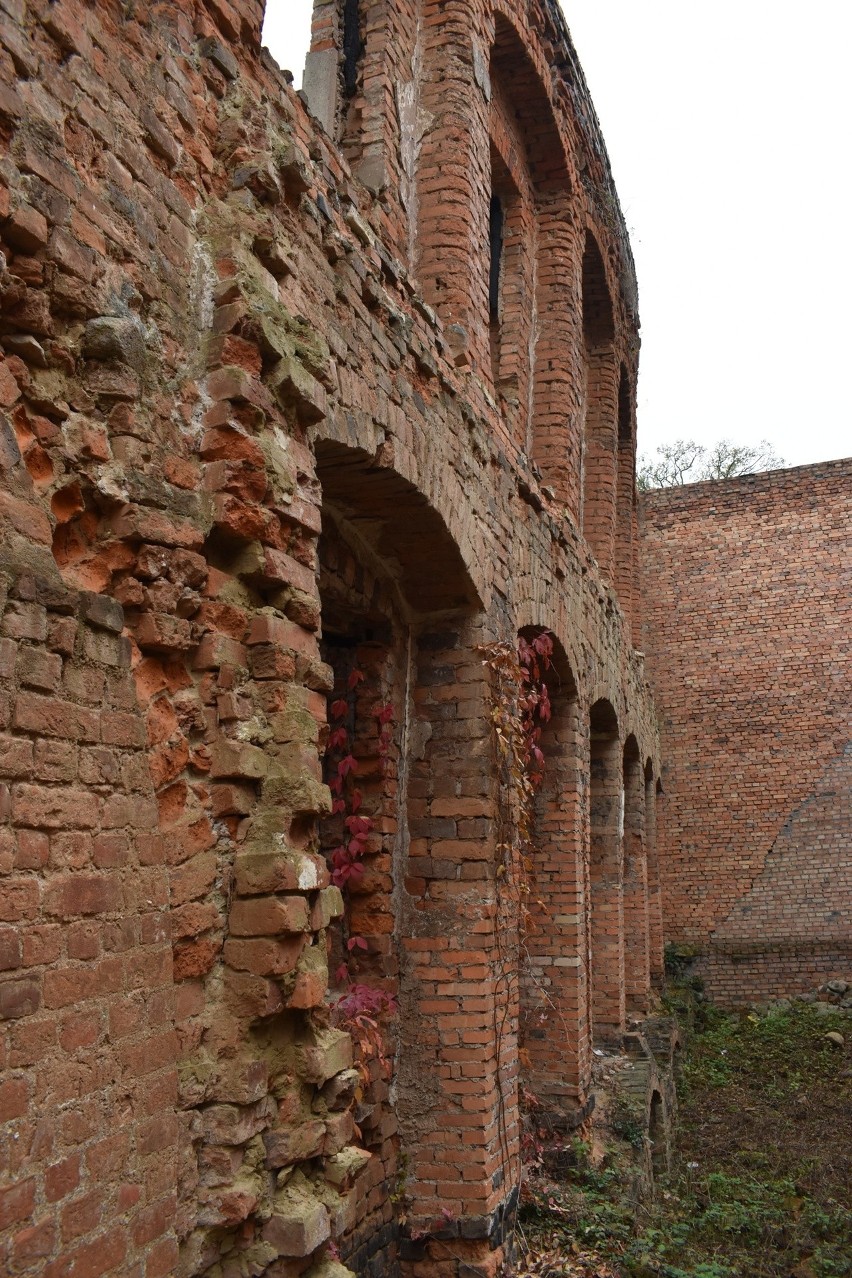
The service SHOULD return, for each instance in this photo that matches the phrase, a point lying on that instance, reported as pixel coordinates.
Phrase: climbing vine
(520, 707)
(361, 1007)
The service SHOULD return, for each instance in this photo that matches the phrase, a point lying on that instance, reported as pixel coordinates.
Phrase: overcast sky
(728, 128)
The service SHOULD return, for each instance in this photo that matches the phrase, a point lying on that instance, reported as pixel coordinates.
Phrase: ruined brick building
(312, 401)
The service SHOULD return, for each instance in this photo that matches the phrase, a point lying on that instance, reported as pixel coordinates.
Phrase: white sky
(728, 128)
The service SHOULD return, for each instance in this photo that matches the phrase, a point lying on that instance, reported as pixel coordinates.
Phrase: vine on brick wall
(520, 707)
(361, 1008)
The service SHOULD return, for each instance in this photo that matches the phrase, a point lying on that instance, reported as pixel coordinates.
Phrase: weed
(761, 1182)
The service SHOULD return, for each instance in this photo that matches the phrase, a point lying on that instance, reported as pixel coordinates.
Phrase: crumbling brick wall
(228, 413)
(748, 632)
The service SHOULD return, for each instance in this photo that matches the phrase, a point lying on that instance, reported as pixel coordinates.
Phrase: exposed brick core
(261, 425)
(748, 632)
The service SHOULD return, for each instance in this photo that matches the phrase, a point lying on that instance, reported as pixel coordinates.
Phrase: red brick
(14, 1096)
(62, 1178)
(36, 1243)
(71, 895)
(16, 1203)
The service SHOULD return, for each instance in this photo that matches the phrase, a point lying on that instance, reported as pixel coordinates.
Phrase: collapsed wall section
(747, 597)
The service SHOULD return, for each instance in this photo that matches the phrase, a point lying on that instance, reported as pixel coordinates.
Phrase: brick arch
(539, 603)
(432, 549)
(513, 66)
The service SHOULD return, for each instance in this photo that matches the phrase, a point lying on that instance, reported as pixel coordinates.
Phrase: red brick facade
(749, 634)
(280, 407)
(303, 413)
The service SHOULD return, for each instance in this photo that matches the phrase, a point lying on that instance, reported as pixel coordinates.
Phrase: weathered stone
(299, 1223)
(328, 1055)
(294, 1144)
(109, 338)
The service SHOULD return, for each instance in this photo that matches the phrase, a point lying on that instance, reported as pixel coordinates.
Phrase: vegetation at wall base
(761, 1181)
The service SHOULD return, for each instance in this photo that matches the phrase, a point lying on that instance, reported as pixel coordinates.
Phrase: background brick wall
(748, 597)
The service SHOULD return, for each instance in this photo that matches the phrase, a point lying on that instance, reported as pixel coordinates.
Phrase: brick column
(636, 929)
(458, 1025)
(607, 871)
(555, 1025)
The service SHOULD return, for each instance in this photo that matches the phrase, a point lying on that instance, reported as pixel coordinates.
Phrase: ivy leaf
(355, 677)
(346, 765)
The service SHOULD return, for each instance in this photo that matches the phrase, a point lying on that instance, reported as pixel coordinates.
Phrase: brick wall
(90, 1050)
(747, 597)
(235, 439)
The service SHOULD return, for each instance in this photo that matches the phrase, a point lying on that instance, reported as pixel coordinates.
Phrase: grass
(761, 1182)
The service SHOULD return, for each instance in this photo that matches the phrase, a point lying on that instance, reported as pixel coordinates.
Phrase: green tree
(687, 462)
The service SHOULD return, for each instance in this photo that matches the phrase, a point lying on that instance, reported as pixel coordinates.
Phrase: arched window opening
(352, 45)
(496, 231)
(526, 151)
(510, 269)
(600, 433)
(657, 1136)
(403, 791)
(625, 411)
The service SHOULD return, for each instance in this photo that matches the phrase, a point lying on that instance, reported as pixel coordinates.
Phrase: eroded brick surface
(268, 407)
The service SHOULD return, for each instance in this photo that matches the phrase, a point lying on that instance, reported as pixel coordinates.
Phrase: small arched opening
(658, 1136)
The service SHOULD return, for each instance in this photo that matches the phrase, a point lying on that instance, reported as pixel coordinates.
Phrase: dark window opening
(496, 227)
(625, 409)
(352, 46)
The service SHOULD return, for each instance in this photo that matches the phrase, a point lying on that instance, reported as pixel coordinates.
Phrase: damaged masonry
(316, 411)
